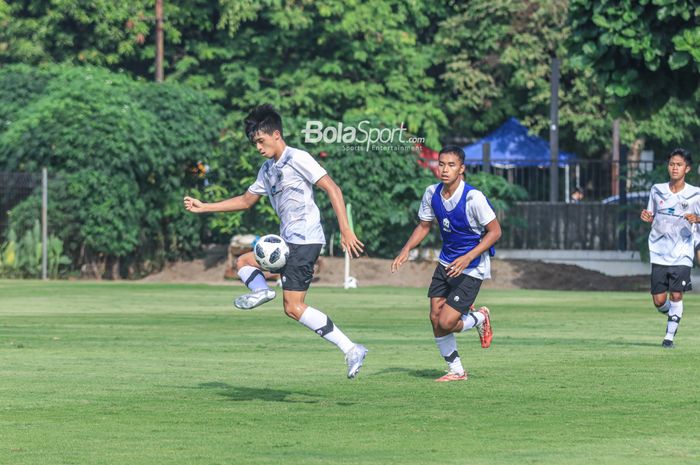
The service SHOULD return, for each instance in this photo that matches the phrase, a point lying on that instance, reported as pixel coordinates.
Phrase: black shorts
(670, 279)
(299, 270)
(460, 292)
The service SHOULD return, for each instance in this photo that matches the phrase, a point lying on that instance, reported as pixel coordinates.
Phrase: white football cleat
(254, 299)
(354, 359)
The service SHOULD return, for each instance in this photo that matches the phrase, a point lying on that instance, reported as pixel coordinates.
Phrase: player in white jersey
(469, 229)
(288, 177)
(672, 210)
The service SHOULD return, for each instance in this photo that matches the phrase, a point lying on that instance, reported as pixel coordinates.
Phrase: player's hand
(692, 218)
(193, 205)
(647, 216)
(400, 259)
(455, 268)
(351, 244)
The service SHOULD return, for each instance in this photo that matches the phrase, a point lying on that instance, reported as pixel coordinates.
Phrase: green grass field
(122, 373)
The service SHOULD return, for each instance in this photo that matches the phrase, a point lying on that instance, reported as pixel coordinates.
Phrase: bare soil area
(506, 274)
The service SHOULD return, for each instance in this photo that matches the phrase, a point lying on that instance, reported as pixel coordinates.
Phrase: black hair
(679, 152)
(455, 150)
(263, 118)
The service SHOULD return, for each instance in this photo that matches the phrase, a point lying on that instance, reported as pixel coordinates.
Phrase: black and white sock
(674, 319)
(471, 320)
(253, 278)
(321, 324)
(447, 345)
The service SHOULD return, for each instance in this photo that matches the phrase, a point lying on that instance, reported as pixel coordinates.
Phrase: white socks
(674, 318)
(253, 278)
(321, 324)
(471, 320)
(447, 345)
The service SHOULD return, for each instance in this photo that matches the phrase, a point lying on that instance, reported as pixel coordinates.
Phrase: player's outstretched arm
(348, 240)
(647, 216)
(416, 238)
(240, 202)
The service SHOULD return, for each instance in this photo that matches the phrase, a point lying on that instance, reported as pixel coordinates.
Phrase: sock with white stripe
(321, 324)
(674, 319)
(471, 320)
(447, 345)
(253, 278)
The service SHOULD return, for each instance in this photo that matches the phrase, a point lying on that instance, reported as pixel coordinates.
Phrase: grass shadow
(245, 394)
(633, 343)
(415, 373)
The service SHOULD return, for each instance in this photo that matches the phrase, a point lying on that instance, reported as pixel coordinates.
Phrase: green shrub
(121, 154)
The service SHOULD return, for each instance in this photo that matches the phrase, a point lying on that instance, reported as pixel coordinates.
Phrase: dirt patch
(540, 275)
(507, 274)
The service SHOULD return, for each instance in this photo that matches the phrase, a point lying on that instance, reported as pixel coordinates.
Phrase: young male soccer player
(469, 230)
(671, 210)
(288, 177)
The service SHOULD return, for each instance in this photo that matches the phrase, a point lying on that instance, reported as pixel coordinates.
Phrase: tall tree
(643, 53)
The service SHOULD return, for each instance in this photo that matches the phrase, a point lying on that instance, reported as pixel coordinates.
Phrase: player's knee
(676, 296)
(445, 323)
(294, 309)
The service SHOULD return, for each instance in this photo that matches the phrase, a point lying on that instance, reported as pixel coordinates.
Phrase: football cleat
(452, 377)
(667, 344)
(354, 359)
(484, 329)
(254, 299)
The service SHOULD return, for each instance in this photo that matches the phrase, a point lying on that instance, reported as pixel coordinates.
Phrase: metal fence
(590, 180)
(17, 187)
(595, 222)
(573, 226)
(14, 188)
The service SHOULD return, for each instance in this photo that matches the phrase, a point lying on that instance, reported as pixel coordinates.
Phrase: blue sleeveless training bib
(458, 238)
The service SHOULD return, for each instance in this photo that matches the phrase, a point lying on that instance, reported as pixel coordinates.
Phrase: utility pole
(159, 41)
(615, 187)
(554, 132)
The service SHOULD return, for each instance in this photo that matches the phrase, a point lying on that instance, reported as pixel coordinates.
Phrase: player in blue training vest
(469, 230)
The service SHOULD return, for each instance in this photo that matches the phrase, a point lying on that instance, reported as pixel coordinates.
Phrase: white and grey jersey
(289, 184)
(671, 235)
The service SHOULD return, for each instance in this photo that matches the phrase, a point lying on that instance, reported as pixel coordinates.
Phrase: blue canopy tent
(512, 146)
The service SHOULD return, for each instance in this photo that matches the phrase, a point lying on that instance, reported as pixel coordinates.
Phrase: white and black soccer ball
(271, 252)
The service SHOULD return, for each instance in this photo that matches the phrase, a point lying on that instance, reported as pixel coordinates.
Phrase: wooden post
(44, 223)
(159, 41)
(615, 187)
(486, 156)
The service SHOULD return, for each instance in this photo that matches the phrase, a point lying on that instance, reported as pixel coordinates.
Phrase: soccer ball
(271, 252)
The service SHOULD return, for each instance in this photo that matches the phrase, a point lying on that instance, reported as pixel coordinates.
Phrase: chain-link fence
(26, 250)
(590, 180)
(15, 188)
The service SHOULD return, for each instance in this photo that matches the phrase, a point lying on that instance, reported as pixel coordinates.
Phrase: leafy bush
(22, 258)
(123, 152)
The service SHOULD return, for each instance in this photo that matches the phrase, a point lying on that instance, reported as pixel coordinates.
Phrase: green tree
(123, 153)
(495, 62)
(643, 53)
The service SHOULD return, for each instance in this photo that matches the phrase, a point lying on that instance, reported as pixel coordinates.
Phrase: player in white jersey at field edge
(287, 178)
(672, 210)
